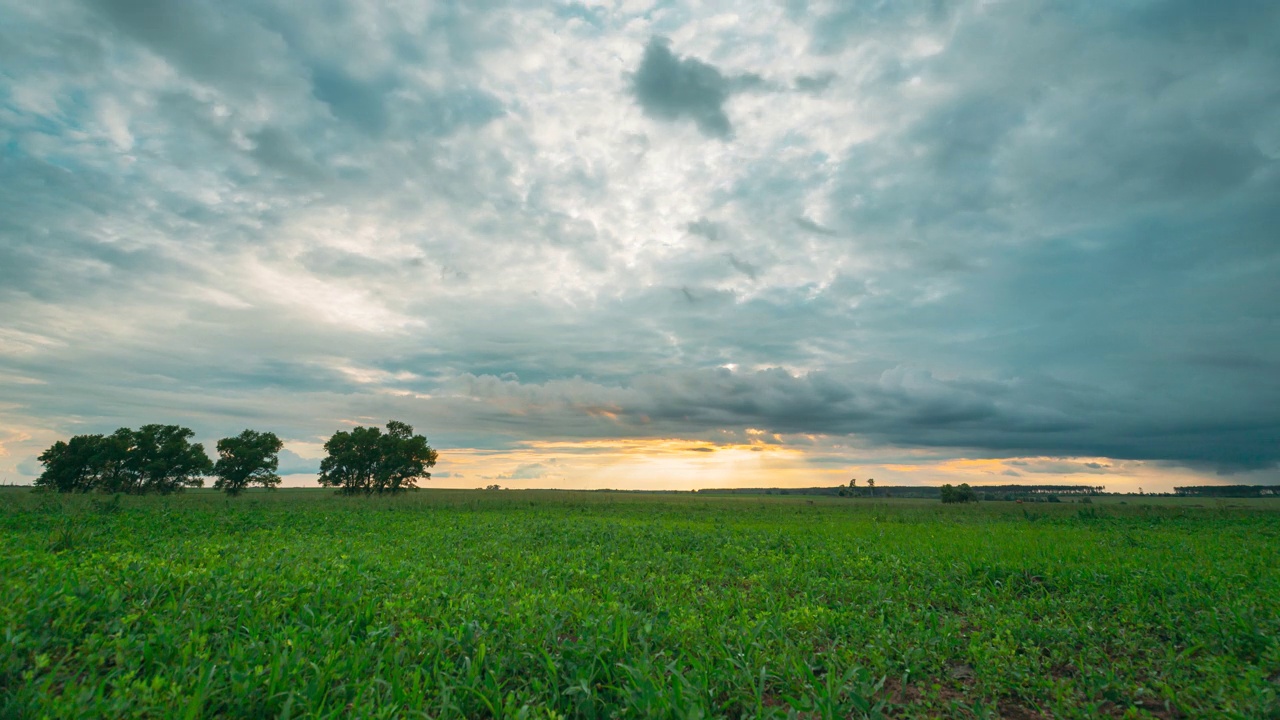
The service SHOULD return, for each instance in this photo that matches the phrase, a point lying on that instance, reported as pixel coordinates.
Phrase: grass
(457, 604)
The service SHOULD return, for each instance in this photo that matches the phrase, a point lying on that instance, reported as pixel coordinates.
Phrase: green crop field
(554, 604)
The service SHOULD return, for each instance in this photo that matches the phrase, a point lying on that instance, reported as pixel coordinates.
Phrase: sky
(657, 245)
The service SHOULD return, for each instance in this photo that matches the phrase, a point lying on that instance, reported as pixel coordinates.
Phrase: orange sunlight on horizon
(766, 460)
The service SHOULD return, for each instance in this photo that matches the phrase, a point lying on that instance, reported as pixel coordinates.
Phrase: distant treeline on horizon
(984, 492)
(1234, 491)
(1003, 492)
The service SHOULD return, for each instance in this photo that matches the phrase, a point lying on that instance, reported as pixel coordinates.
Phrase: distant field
(472, 604)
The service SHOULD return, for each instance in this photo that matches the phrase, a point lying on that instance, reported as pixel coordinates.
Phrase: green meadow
(475, 604)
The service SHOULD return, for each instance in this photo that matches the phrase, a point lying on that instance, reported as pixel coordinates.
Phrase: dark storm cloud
(669, 87)
(278, 149)
(58, 261)
(743, 266)
(706, 228)
(912, 408)
(814, 83)
(218, 44)
(364, 104)
(1069, 211)
(359, 102)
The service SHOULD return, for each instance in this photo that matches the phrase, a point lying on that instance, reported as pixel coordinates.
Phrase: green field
(555, 604)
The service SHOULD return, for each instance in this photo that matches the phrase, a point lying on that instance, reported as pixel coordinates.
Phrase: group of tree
(153, 458)
(367, 460)
(853, 490)
(162, 459)
(961, 494)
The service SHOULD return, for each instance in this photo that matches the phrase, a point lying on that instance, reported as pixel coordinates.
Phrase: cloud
(712, 231)
(834, 27)
(528, 471)
(1063, 467)
(220, 45)
(805, 223)
(361, 103)
(669, 87)
(900, 408)
(293, 464)
(814, 83)
(743, 266)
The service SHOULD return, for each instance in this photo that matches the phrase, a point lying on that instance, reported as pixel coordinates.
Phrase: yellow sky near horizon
(766, 461)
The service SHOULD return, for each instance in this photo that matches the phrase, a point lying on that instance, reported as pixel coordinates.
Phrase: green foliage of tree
(406, 459)
(352, 460)
(961, 494)
(164, 459)
(366, 460)
(153, 458)
(250, 458)
(71, 466)
(116, 473)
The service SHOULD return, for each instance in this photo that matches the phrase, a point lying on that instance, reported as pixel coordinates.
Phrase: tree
(853, 483)
(164, 460)
(70, 466)
(367, 460)
(871, 484)
(962, 494)
(352, 460)
(113, 466)
(250, 458)
(154, 458)
(406, 458)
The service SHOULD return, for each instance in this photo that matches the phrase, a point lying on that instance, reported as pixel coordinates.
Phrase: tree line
(162, 459)
(1231, 491)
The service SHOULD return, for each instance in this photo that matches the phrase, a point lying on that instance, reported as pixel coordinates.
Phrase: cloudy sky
(653, 243)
